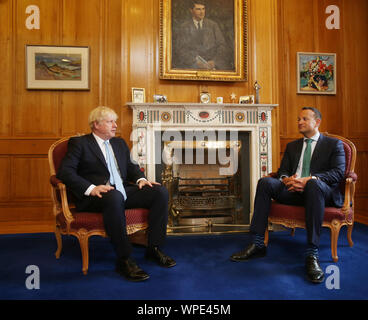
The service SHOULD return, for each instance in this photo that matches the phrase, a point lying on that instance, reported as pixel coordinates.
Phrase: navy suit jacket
(85, 164)
(327, 163)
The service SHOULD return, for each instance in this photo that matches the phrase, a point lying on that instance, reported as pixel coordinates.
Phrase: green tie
(307, 158)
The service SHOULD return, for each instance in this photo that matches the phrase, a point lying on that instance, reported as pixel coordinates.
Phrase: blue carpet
(203, 271)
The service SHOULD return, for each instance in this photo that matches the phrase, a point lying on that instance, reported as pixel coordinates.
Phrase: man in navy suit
(309, 175)
(99, 172)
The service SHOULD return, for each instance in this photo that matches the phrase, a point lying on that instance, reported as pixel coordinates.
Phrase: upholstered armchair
(334, 218)
(83, 225)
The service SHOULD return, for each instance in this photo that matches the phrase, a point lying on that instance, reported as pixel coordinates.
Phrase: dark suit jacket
(327, 163)
(187, 45)
(84, 164)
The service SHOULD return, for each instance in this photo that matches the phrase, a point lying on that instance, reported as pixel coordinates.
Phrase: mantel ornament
(257, 87)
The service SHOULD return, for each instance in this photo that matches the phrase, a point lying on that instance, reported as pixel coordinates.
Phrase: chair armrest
(65, 204)
(61, 198)
(273, 174)
(352, 175)
(349, 196)
(54, 181)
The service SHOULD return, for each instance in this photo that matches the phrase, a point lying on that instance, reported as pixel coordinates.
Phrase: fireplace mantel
(149, 118)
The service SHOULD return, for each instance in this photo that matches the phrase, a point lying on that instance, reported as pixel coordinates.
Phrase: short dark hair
(194, 2)
(317, 113)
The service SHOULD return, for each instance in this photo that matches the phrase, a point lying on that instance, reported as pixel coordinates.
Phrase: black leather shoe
(130, 270)
(314, 271)
(159, 257)
(249, 253)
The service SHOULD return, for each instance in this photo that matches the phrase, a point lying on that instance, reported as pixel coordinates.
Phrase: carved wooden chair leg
(335, 229)
(59, 242)
(350, 230)
(266, 235)
(83, 242)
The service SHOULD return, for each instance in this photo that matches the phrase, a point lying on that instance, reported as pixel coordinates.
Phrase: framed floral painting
(316, 73)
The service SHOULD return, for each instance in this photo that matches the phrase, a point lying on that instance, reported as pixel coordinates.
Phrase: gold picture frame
(246, 99)
(138, 95)
(217, 60)
(50, 67)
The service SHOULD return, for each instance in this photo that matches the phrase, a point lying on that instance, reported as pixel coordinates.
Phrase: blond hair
(100, 113)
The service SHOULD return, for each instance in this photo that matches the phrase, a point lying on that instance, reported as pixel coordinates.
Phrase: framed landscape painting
(57, 67)
(316, 73)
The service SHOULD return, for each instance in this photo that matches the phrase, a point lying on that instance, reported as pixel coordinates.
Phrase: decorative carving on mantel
(151, 117)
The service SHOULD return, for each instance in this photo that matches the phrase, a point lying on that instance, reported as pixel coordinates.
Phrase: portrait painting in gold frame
(203, 40)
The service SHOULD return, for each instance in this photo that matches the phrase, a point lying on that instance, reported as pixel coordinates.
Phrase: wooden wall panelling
(34, 112)
(6, 79)
(5, 178)
(138, 46)
(30, 176)
(361, 199)
(81, 27)
(263, 59)
(330, 41)
(111, 53)
(355, 29)
(297, 25)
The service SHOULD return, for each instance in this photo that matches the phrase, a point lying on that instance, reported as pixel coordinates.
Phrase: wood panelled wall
(302, 29)
(123, 37)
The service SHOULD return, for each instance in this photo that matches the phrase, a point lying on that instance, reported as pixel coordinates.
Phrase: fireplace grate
(211, 194)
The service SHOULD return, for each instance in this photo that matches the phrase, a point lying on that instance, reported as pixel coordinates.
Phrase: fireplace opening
(208, 178)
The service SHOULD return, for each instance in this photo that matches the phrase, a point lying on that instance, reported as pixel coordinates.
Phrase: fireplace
(210, 158)
(207, 175)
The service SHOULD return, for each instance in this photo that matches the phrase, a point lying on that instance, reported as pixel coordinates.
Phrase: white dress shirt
(198, 24)
(101, 144)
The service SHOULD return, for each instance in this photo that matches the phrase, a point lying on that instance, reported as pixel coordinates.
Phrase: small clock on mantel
(205, 97)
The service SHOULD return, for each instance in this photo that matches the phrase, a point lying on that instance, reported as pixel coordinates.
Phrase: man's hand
(288, 181)
(299, 183)
(211, 65)
(144, 182)
(96, 191)
(294, 184)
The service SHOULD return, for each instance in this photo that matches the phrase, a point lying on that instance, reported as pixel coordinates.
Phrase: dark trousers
(112, 206)
(314, 198)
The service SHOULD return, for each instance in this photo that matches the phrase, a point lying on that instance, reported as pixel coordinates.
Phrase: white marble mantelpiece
(254, 118)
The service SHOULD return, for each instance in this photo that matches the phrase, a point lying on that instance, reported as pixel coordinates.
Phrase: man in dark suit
(199, 43)
(309, 176)
(98, 170)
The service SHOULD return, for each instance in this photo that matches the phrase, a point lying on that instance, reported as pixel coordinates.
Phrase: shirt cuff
(282, 177)
(88, 191)
(140, 180)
